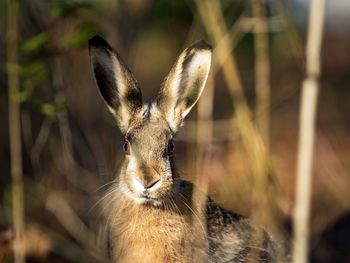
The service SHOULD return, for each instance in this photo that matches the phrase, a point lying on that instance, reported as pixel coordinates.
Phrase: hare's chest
(152, 239)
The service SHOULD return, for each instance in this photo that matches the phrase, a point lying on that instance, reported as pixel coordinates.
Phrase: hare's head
(148, 175)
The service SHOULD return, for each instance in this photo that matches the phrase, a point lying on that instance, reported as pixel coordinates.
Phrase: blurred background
(241, 138)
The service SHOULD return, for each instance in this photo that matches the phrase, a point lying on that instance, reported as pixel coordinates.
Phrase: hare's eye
(126, 147)
(171, 147)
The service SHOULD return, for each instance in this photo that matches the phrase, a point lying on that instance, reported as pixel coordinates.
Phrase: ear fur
(185, 82)
(115, 82)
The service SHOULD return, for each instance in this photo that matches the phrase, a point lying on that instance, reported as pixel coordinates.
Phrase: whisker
(104, 185)
(194, 213)
(110, 192)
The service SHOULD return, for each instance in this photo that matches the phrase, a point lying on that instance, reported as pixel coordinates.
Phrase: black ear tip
(202, 44)
(98, 41)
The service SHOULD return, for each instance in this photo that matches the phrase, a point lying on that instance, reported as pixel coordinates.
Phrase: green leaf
(69, 8)
(48, 109)
(35, 67)
(34, 42)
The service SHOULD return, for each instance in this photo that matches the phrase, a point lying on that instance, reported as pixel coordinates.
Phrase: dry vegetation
(240, 144)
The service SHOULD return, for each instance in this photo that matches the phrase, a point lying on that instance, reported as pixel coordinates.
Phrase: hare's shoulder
(218, 216)
(234, 238)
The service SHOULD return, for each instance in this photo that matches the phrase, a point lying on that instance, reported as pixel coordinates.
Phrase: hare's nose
(152, 183)
(145, 185)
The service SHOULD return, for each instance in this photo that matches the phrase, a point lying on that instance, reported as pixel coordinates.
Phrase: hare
(156, 216)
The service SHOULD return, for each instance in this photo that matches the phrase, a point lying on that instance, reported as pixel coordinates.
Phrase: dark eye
(126, 147)
(171, 147)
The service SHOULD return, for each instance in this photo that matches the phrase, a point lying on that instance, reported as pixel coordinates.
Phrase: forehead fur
(151, 123)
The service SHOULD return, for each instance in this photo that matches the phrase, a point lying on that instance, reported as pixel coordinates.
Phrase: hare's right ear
(184, 84)
(115, 82)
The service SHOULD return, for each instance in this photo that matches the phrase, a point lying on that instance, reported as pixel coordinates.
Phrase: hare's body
(177, 232)
(155, 216)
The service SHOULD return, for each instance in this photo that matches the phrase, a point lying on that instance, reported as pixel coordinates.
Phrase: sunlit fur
(148, 138)
(153, 215)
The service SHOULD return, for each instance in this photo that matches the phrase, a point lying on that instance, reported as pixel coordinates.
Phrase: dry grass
(15, 130)
(306, 146)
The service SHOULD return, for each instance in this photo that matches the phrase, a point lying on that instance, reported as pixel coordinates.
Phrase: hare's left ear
(184, 84)
(117, 86)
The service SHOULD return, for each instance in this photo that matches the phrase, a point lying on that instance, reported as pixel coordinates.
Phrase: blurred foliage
(39, 48)
(34, 43)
